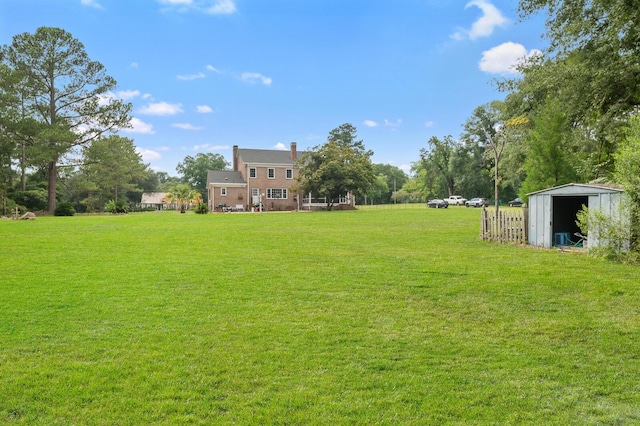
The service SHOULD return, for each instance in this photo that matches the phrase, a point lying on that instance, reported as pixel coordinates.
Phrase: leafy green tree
(377, 190)
(340, 166)
(439, 158)
(194, 170)
(550, 158)
(6, 173)
(591, 68)
(627, 173)
(484, 126)
(7, 143)
(420, 186)
(112, 167)
(490, 128)
(395, 177)
(165, 182)
(65, 93)
(472, 169)
(579, 24)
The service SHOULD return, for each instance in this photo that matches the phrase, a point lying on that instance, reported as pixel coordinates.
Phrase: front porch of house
(319, 203)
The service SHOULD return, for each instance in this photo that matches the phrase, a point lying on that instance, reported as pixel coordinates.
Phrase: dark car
(516, 203)
(477, 202)
(438, 204)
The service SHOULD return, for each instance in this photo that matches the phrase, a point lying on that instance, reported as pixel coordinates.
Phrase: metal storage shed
(553, 212)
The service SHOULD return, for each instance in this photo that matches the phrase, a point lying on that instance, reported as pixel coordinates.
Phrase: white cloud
(396, 123)
(91, 3)
(134, 65)
(204, 109)
(213, 69)
(161, 108)
(484, 26)
(370, 123)
(211, 7)
(504, 58)
(191, 76)
(221, 7)
(207, 147)
(186, 126)
(280, 146)
(429, 124)
(148, 154)
(253, 77)
(127, 94)
(139, 126)
(124, 95)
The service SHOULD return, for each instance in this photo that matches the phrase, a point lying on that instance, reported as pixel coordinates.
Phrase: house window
(271, 173)
(276, 193)
(253, 172)
(223, 191)
(289, 173)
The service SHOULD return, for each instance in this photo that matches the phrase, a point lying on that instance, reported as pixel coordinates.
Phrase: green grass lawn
(394, 316)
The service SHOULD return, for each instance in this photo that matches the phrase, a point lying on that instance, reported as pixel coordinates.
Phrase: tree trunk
(495, 187)
(23, 174)
(52, 171)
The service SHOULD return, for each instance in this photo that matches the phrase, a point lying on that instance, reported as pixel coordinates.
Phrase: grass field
(397, 316)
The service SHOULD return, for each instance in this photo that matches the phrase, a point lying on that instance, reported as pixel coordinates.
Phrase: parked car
(456, 200)
(438, 204)
(477, 202)
(516, 203)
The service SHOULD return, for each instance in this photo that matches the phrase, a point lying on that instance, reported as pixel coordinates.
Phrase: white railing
(322, 201)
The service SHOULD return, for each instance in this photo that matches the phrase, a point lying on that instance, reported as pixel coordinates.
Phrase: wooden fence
(510, 226)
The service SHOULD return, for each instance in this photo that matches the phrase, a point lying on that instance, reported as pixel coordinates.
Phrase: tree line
(571, 115)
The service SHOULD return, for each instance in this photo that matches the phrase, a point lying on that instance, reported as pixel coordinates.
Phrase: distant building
(155, 200)
(261, 178)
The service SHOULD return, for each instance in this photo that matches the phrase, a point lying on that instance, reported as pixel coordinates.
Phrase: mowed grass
(398, 316)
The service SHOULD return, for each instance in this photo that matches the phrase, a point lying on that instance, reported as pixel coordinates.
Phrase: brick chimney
(235, 158)
(294, 151)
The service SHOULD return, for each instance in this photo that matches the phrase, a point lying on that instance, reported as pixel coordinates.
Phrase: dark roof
(224, 176)
(267, 156)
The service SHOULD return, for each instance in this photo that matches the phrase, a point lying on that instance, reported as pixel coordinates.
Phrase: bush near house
(64, 209)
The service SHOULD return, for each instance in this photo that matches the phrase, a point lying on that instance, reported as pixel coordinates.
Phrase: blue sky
(204, 75)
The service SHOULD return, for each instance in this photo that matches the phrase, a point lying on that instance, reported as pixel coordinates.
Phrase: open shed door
(565, 213)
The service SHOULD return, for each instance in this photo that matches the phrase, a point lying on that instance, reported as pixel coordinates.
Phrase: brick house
(258, 176)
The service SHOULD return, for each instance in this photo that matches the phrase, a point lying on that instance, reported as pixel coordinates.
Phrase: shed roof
(224, 176)
(579, 188)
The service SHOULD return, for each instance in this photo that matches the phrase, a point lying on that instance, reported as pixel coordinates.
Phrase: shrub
(116, 207)
(201, 208)
(64, 209)
(612, 231)
(34, 199)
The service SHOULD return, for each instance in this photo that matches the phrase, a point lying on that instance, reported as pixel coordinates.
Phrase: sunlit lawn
(384, 316)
